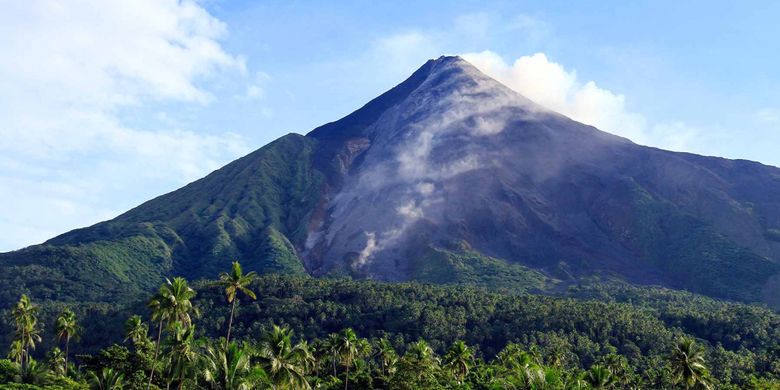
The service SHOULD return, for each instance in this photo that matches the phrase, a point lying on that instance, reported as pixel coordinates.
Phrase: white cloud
(68, 72)
(551, 85)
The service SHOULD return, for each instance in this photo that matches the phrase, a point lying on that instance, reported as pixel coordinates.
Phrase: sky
(105, 104)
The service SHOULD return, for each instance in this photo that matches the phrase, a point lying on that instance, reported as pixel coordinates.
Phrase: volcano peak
(449, 176)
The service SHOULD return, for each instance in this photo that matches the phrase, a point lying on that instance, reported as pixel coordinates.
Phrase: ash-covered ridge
(430, 161)
(453, 156)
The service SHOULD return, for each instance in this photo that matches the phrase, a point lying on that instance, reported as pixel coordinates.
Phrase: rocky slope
(448, 177)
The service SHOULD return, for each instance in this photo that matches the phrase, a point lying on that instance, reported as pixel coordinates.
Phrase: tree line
(166, 350)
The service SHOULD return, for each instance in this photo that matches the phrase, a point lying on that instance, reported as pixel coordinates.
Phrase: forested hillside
(302, 331)
(449, 234)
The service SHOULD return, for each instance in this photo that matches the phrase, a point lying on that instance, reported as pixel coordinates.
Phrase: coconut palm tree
(542, 378)
(230, 368)
(514, 358)
(420, 351)
(67, 328)
(179, 295)
(136, 330)
(106, 379)
(16, 352)
(161, 313)
(307, 355)
(619, 367)
(183, 356)
(576, 383)
(386, 355)
(418, 367)
(458, 358)
(233, 283)
(171, 304)
(286, 364)
(25, 316)
(348, 350)
(31, 337)
(599, 377)
(57, 361)
(688, 368)
(332, 346)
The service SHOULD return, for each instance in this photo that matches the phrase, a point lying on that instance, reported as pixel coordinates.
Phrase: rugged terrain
(448, 177)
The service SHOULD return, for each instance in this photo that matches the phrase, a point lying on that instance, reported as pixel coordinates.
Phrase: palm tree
(619, 367)
(26, 321)
(136, 330)
(171, 304)
(161, 312)
(332, 346)
(307, 355)
(57, 361)
(348, 349)
(285, 364)
(16, 352)
(179, 295)
(106, 379)
(599, 377)
(419, 366)
(67, 328)
(230, 368)
(576, 383)
(182, 356)
(513, 357)
(420, 351)
(541, 378)
(458, 359)
(688, 368)
(33, 373)
(233, 283)
(386, 354)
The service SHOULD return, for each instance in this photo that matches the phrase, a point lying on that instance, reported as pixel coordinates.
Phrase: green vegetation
(252, 208)
(260, 207)
(693, 255)
(304, 333)
(235, 282)
(67, 329)
(461, 265)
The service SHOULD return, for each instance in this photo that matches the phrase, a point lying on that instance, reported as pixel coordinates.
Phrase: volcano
(448, 177)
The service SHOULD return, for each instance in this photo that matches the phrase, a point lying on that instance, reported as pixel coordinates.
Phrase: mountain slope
(464, 158)
(245, 210)
(448, 177)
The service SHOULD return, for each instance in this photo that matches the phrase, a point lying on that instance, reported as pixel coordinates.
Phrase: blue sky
(104, 105)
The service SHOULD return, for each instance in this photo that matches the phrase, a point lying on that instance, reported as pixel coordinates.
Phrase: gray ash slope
(452, 155)
(448, 167)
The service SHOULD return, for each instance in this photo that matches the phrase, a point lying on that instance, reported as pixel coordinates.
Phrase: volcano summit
(448, 177)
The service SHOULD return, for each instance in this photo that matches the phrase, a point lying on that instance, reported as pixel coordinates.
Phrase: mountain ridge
(450, 167)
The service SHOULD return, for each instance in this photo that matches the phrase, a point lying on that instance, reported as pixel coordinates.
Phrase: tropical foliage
(303, 333)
